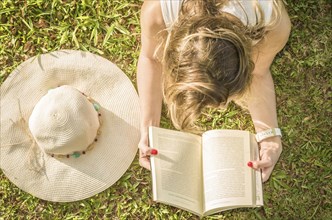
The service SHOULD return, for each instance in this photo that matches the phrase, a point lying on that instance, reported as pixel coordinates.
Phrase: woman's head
(206, 61)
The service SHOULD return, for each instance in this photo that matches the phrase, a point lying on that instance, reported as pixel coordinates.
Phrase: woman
(212, 52)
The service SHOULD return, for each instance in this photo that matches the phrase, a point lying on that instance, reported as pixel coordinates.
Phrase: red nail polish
(154, 152)
(249, 164)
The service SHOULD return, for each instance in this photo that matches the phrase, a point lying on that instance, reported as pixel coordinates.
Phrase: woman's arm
(149, 75)
(262, 102)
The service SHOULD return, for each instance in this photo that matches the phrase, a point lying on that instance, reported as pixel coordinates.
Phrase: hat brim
(68, 179)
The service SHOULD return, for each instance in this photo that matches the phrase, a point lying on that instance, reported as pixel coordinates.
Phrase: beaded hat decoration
(69, 125)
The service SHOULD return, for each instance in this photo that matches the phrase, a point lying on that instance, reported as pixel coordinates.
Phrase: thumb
(261, 164)
(266, 166)
(146, 150)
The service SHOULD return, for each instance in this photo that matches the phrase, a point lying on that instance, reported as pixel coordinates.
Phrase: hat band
(77, 154)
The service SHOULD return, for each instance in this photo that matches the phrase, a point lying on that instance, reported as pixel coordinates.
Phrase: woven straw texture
(68, 179)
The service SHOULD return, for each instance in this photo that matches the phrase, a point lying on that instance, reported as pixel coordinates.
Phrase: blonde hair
(207, 59)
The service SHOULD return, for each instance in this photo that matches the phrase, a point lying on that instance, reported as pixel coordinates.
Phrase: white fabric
(170, 10)
(239, 8)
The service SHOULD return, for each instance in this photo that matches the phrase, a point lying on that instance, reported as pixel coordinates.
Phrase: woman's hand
(145, 152)
(270, 150)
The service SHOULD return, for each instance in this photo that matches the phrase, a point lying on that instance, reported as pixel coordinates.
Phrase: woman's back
(244, 10)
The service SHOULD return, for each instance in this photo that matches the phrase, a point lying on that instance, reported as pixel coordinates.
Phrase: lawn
(301, 184)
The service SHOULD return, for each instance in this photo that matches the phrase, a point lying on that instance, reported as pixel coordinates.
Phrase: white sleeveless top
(243, 9)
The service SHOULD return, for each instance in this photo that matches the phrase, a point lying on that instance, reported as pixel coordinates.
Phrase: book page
(177, 169)
(257, 175)
(227, 178)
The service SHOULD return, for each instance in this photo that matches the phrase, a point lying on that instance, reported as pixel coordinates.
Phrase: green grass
(301, 184)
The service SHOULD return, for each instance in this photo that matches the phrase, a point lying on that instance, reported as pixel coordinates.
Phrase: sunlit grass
(301, 184)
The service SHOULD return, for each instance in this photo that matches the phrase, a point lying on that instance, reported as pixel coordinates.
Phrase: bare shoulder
(277, 37)
(273, 42)
(151, 17)
(152, 23)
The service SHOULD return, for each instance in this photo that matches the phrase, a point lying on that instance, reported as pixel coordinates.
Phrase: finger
(144, 162)
(144, 149)
(153, 151)
(147, 151)
(266, 173)
(261, 164)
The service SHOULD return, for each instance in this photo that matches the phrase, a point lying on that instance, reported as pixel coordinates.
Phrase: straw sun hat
(69, 125)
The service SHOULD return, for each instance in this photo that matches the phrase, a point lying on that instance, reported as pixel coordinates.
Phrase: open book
(205, 174)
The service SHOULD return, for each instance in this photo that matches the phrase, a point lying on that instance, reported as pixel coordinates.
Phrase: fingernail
(249, 164)
(154, 152)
